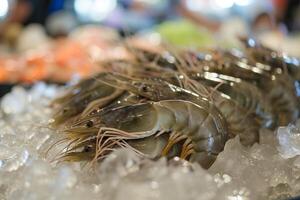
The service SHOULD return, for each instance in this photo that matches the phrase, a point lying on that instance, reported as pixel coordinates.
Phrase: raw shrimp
(277, 61)
(88, 93)
(281, 94)
(279, 89)
(152, 129)
(238, 68)
(247, 95)
(238, 120)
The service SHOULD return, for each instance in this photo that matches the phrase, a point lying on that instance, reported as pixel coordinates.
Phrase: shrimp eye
(144, 88)
(89, 124)
(65, 110)
(87, 149)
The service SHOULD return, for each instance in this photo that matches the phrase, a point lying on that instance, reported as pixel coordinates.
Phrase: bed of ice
(269, 170)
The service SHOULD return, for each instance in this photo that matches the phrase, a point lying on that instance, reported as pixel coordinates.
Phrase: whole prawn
(277, 61)
(237, 119)
(153, 129)
(278, 87)
(247, 95)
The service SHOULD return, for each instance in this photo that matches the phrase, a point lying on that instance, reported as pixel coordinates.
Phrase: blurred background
(61, 16)
(41, 37)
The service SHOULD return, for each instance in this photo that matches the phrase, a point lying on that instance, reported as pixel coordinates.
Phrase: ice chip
(15, 102)
(16, 161)
(121, 162)
(66, 178)
(289, 141)
(37, 91)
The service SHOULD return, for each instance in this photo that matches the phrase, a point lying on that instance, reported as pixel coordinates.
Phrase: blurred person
(130, 16)
(26, 12)
(225, 32)
(140, 14)
(291, 16)
(20, 11)
(12, 25)
(264, 23)
(60, 23)
(41, 9)
(274, 35)
(280, 7)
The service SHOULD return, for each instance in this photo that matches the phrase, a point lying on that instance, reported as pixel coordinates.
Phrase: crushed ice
(269, 170)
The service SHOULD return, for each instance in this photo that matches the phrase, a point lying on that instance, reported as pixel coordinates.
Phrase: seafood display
(184, 103)
(60, 60)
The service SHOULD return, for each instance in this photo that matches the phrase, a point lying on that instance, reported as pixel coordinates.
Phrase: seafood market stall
(171, 112)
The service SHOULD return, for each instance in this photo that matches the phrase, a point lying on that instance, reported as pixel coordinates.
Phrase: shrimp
(176, 106)
(259, 53)
(224, 64)
(236, 118)
(128, 97)
(88, 93)
(247, 95)
(163, 59)
(73, 91)
(153, 129)
(281, 94)
(279, 89)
